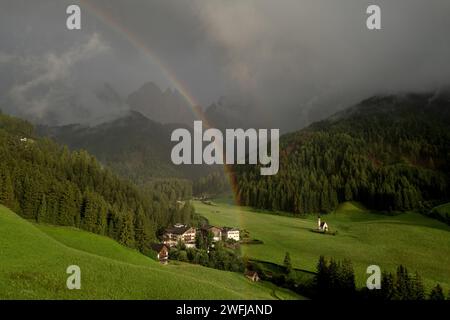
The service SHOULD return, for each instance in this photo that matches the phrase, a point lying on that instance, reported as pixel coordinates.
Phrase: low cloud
(305, 59)
(49, 76)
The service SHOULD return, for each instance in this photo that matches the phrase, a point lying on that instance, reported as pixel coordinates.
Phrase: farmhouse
(252, 275)
(225, 233)
(230, 233)
(322, 225)
(216, 231)
(180, 233)
(162, 252)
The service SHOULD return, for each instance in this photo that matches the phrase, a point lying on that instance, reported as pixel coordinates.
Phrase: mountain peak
(151, 87)
(164, 107)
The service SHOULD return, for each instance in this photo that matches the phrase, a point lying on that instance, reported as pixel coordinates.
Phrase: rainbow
(169, 74)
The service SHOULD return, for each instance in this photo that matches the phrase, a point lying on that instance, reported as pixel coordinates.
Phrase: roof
(157, 246)
(179, 225)
(323, 223)
(207, 227)
(177, 230)
(226, 229)
(251, 273)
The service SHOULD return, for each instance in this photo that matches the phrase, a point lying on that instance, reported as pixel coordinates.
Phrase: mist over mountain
(170, 106)
(109, 96)
(234, 113)
(162, 106)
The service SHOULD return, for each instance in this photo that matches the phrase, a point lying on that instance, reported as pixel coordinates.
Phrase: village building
(252, 276)
(162, 252)
(216, 232)
(322, 225)
(231, 233)
(180, 233)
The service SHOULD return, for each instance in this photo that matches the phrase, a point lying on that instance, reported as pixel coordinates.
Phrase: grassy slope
(443, 210)
(420, 243)
(34, 260)
(106, 247)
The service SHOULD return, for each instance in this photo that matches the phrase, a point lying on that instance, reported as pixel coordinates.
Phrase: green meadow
(420, 243)
(34, 259)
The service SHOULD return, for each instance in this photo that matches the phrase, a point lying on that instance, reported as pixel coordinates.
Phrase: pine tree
(28, 203)
(348, 278)
(126, 232)
(66, 207)
(437, 293)
(112, 232)
(102, 209)
(88, 214)
(199, 241)
(322, 278)
(348, 192)
(387, 286)
(333, 271)
(403, 286)
(418, 288)
(6, 189)
(141, 236)
(42, 211)
(287, 263)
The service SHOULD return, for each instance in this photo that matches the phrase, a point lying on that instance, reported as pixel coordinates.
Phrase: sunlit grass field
(421, 244)
(34, 259)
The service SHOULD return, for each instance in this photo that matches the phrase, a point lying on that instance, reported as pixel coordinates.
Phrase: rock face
(170, 106)
(164, 107)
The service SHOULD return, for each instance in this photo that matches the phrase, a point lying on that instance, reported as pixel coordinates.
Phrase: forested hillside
(43, 181)
(390, 153)
(214, 183)
(134, 147)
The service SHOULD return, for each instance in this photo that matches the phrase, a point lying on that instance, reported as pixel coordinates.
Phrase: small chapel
(322, 225)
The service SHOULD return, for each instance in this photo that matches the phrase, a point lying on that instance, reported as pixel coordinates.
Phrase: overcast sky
(294, 59)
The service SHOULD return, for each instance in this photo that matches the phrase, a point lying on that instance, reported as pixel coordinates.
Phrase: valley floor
(421, 244)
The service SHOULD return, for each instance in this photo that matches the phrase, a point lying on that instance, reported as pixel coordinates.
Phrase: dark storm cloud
(318, 55)
(296, 60)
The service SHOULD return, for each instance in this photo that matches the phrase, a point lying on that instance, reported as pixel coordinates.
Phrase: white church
(322, 225)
